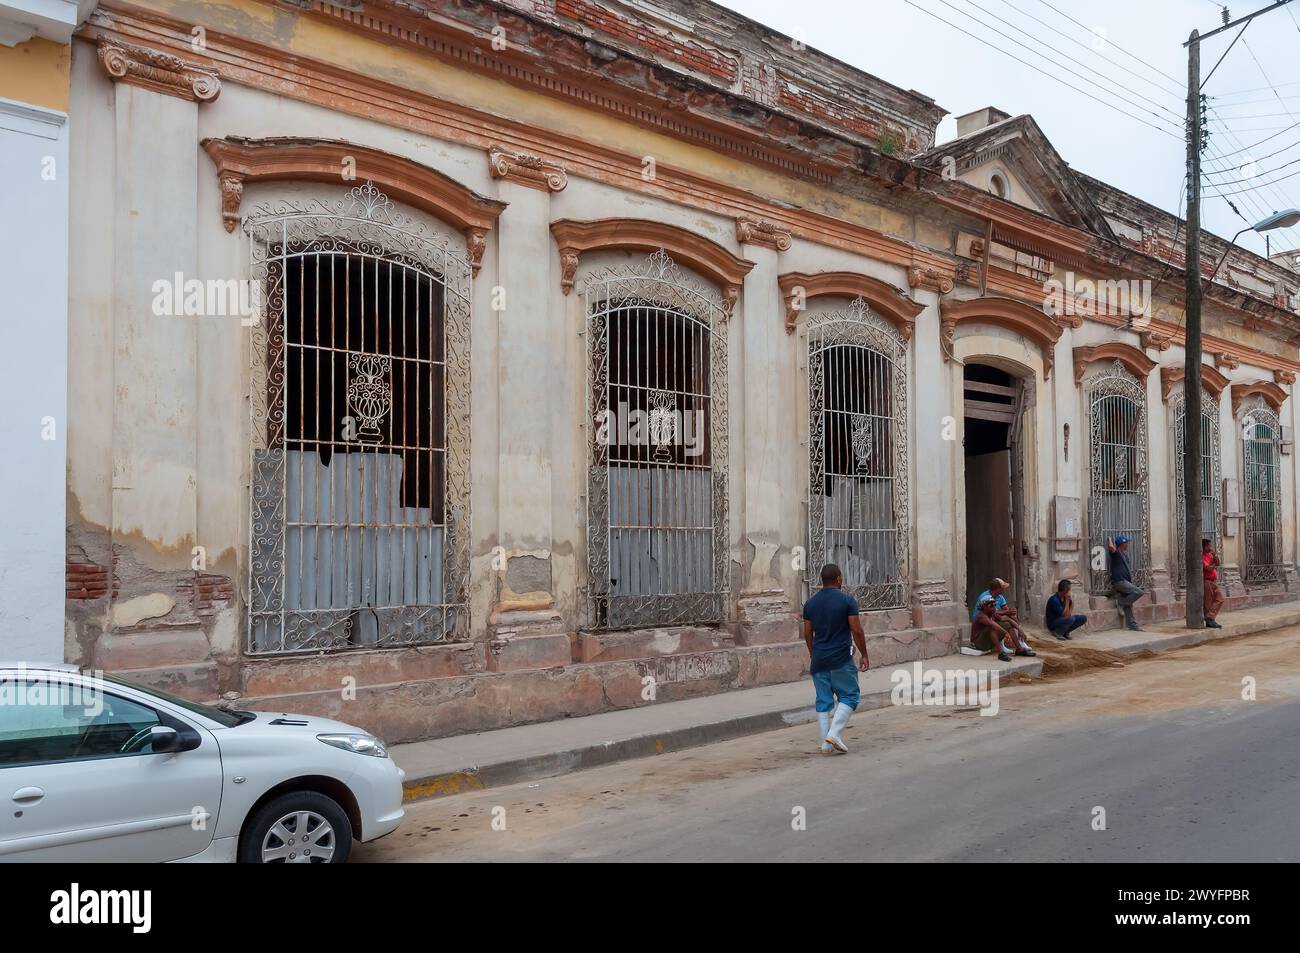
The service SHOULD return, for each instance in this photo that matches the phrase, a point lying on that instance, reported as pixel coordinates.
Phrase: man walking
(831, 628)
(1213, 596)
(1121, 579)
(1061, 620)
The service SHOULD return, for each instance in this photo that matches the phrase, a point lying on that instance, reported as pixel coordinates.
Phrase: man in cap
(985, 631)
(1121, 579)
(1004, 615)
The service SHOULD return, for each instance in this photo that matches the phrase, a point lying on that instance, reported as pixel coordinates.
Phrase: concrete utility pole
(1195, 596)
(1192, 348)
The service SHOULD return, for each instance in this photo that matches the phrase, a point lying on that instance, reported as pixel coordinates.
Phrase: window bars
(1261, 432)
(1118, 492)
(1211, 480)
(657, 547)
(360, 429)
(857, 454)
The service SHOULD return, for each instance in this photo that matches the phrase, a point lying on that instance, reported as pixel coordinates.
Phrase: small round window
(998, 186)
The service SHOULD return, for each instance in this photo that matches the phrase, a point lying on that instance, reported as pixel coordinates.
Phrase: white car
(94, 768)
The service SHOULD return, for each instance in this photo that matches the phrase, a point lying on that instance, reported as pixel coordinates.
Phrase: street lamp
(1276, 220)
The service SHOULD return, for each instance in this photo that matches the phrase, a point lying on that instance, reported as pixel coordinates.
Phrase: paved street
(1185, 769)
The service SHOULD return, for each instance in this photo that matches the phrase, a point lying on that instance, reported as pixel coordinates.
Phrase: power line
(1038, 69)
(1088, 79)
(1252, 177)
(1095, 52)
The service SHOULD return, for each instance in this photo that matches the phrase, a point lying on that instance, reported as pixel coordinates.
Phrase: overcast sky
(1142, 39)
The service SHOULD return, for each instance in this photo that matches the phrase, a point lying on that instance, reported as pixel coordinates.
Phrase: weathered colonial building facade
(447, 366)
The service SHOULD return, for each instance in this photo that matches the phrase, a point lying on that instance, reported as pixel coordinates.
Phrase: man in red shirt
(1213, 597)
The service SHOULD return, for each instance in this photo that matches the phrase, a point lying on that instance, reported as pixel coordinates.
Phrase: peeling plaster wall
(139, 502)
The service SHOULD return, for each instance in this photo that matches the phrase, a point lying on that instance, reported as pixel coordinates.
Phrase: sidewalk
(447, 766)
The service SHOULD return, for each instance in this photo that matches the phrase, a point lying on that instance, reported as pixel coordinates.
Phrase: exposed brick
(88, 580)
(702, 59)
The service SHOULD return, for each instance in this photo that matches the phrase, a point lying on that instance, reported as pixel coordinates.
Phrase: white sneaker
(838, 723)
(824, 720)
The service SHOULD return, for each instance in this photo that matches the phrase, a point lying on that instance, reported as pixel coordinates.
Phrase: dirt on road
(515, 822)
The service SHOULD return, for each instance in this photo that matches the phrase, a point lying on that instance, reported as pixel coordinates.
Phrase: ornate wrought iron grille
(1211, 480)
(1118, 492)
(657, 471)
(358, 524)
(857, 454)
(1260, 433)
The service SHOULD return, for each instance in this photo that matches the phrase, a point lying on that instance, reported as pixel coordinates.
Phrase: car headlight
(360, 744)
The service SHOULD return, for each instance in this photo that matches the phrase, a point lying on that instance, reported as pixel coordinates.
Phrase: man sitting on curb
(1061, 620)
(1004, 615)
(1213, 596)
(830, 628)
(985, 631)
(1121, 580)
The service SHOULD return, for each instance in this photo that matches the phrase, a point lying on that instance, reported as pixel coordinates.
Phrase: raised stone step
(297, 673)
(650, 643)
(153, 648)
(197, 682)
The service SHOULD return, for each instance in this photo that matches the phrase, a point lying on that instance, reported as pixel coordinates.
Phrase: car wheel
(302, 827)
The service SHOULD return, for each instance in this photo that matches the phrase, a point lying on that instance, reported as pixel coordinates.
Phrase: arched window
(857, 464)
(1261, 485)
(1211, 479)
(1117, 472)
(360, 404)
(657, 476)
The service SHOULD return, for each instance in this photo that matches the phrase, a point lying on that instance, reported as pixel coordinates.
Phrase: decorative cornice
(1211, 379)
(159, 71)
(759, 231)
(1230, 361)
(891, 303)
(530, 170)
(696, 252)
(328, 160)
(1138, 364)
(1273, 395)
(1015, 316)
(1155, 340)
(318, 80)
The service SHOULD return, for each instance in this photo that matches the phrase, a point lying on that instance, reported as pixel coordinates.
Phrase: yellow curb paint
(442, 785)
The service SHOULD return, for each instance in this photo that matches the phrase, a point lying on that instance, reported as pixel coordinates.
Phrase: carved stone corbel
(1285, 378)
(232, 196)
(1224, 359)
(931, 279)
(755, 231)
(1155, 340)
(161, 72)
(568, 268)
(530, 170)
(475, 244)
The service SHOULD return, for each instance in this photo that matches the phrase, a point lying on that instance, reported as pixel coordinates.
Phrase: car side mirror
(163, 739)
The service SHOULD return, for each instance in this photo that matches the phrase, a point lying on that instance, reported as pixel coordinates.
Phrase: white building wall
(34, 274)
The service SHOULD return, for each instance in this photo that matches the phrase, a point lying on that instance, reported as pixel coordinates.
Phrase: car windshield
(227, 719)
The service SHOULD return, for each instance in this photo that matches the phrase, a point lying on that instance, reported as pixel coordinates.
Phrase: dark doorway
(994, 480)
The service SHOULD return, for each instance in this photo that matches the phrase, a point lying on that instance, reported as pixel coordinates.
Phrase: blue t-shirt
(828, 610)
(1120, 569)
(998, 606)
(1055, 609)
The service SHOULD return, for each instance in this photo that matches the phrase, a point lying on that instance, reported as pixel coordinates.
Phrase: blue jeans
(1068, 623)
(837, 684)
